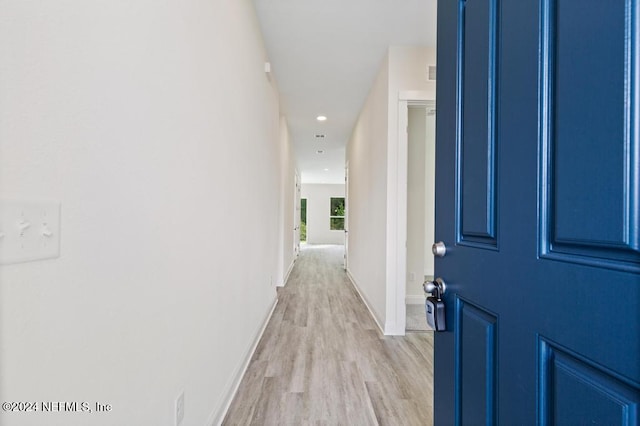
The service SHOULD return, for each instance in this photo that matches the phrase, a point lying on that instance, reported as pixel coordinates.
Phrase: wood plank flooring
(323, 361)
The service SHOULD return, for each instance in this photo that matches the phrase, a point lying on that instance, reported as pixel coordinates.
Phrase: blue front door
(537, 188)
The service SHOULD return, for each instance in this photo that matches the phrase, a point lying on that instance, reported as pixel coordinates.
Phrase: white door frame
(397, 247)
(346, 215)
(296, 215)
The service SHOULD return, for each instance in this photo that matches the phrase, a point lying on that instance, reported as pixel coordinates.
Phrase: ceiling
(324, 56)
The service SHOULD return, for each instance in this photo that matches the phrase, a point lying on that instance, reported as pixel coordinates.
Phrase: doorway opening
(420, 209)
(296, 215)
(346, 215)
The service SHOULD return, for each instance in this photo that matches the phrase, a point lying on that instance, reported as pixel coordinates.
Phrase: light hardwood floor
(323, 361)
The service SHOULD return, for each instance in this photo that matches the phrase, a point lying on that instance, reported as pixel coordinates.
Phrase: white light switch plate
(29, 230)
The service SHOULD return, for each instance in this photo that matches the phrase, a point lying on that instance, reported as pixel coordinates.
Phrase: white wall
(372, 152)
(153, 123)
(318, 211)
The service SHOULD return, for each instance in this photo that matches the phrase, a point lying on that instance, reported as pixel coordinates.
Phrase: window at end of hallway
(336, 215)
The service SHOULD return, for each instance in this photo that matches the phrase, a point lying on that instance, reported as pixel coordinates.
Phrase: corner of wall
(363, 297)
(407, 72)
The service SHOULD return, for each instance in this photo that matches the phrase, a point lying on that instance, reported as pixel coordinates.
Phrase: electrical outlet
(412, 276)
(180, 408)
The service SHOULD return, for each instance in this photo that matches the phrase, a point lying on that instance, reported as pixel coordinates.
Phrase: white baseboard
(286, 276)
(218, 414)
(364, 299)
(414, 299)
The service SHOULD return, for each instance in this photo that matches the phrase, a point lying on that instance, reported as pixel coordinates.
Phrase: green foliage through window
(303, 231)
(303, 219)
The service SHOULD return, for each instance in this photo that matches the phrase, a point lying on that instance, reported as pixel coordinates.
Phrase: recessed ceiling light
(320, 151)
(321, 118)
(326, 170)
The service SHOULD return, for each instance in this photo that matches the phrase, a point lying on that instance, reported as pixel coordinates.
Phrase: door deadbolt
(439, 249)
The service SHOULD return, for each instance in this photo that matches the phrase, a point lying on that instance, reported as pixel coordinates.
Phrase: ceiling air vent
(431, 73)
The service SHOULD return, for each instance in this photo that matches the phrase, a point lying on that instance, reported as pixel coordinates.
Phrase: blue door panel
(535, 98)
(475, 369)
(478, 87)
(590, 133)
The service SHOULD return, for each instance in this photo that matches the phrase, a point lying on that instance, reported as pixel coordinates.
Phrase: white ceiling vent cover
(431, 73)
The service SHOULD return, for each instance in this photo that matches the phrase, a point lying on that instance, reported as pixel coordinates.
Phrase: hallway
(322, 359)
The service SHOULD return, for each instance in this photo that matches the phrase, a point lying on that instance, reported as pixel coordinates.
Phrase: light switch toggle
(23, 225)
(46, 231)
